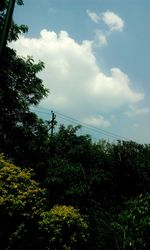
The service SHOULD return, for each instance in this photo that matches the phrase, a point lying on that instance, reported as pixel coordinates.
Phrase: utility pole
(6, 27)
(53, 122)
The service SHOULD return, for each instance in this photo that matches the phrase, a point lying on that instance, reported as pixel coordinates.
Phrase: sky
(97, 58)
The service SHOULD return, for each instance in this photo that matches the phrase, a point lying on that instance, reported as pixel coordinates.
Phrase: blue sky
(97, 57)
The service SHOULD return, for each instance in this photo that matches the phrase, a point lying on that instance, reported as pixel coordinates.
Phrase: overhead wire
(83, 124)
(102, 131)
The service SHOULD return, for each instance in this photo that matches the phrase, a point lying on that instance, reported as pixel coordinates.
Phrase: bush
(64, 228)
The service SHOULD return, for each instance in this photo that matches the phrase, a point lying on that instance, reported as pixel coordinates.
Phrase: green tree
(21, 203)
(63, 228)
(129, 166)
(14, 29)
(66, 182)
(133, 226)
(79, 175)
(20, 89)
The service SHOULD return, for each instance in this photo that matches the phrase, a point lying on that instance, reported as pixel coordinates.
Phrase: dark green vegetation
(78, 195)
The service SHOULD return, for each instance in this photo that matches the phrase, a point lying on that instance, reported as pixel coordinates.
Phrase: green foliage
(66, 182)
(18, 192)
(133, 226)
(25, 222)
(98, 178)
(20, 88)
(15, 30)
(64, 228)
(21, 203)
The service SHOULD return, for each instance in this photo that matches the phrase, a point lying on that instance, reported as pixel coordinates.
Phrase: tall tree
(20, 88)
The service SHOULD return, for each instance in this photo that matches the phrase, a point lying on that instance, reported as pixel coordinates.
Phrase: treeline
(63, 191)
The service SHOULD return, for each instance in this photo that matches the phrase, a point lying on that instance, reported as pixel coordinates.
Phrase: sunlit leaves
(19, 193)
(65, 228)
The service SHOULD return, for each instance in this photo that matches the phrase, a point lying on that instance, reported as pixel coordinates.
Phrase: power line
(85, 125)
(95, 129)
(102, 131)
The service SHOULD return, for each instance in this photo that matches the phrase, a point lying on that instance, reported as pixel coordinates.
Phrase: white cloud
(109, 18)
(94, 17)
(134, 111)
(97, 121)
(101, 38)
(77, 84)
(112, 20)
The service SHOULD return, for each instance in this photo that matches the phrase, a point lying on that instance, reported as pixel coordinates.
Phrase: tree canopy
(20, 88)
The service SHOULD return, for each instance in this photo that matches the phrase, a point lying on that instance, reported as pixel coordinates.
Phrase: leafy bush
(21, 203)
(64, 228)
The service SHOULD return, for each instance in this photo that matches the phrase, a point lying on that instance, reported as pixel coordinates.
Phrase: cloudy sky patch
(96, 60)
(72, 74)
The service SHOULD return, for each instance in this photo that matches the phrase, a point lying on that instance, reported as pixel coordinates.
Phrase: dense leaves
(133, 226)
(24, 222)
(20, 88)
(98, 178)
(64, 228)
(14, 29)
(21, 202)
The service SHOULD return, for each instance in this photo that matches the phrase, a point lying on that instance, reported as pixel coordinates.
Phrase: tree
(21, 203)
(20, 89)
(66, 182)
(129, 165)
(78, 175)
(14, 30)
(63, 228)
(133, 226)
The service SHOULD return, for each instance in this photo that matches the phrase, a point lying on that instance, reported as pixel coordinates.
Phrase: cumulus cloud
(77, 84)
(101, 38)
(112, 20)
(94, 17)
(134, 111)
(97, 121)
